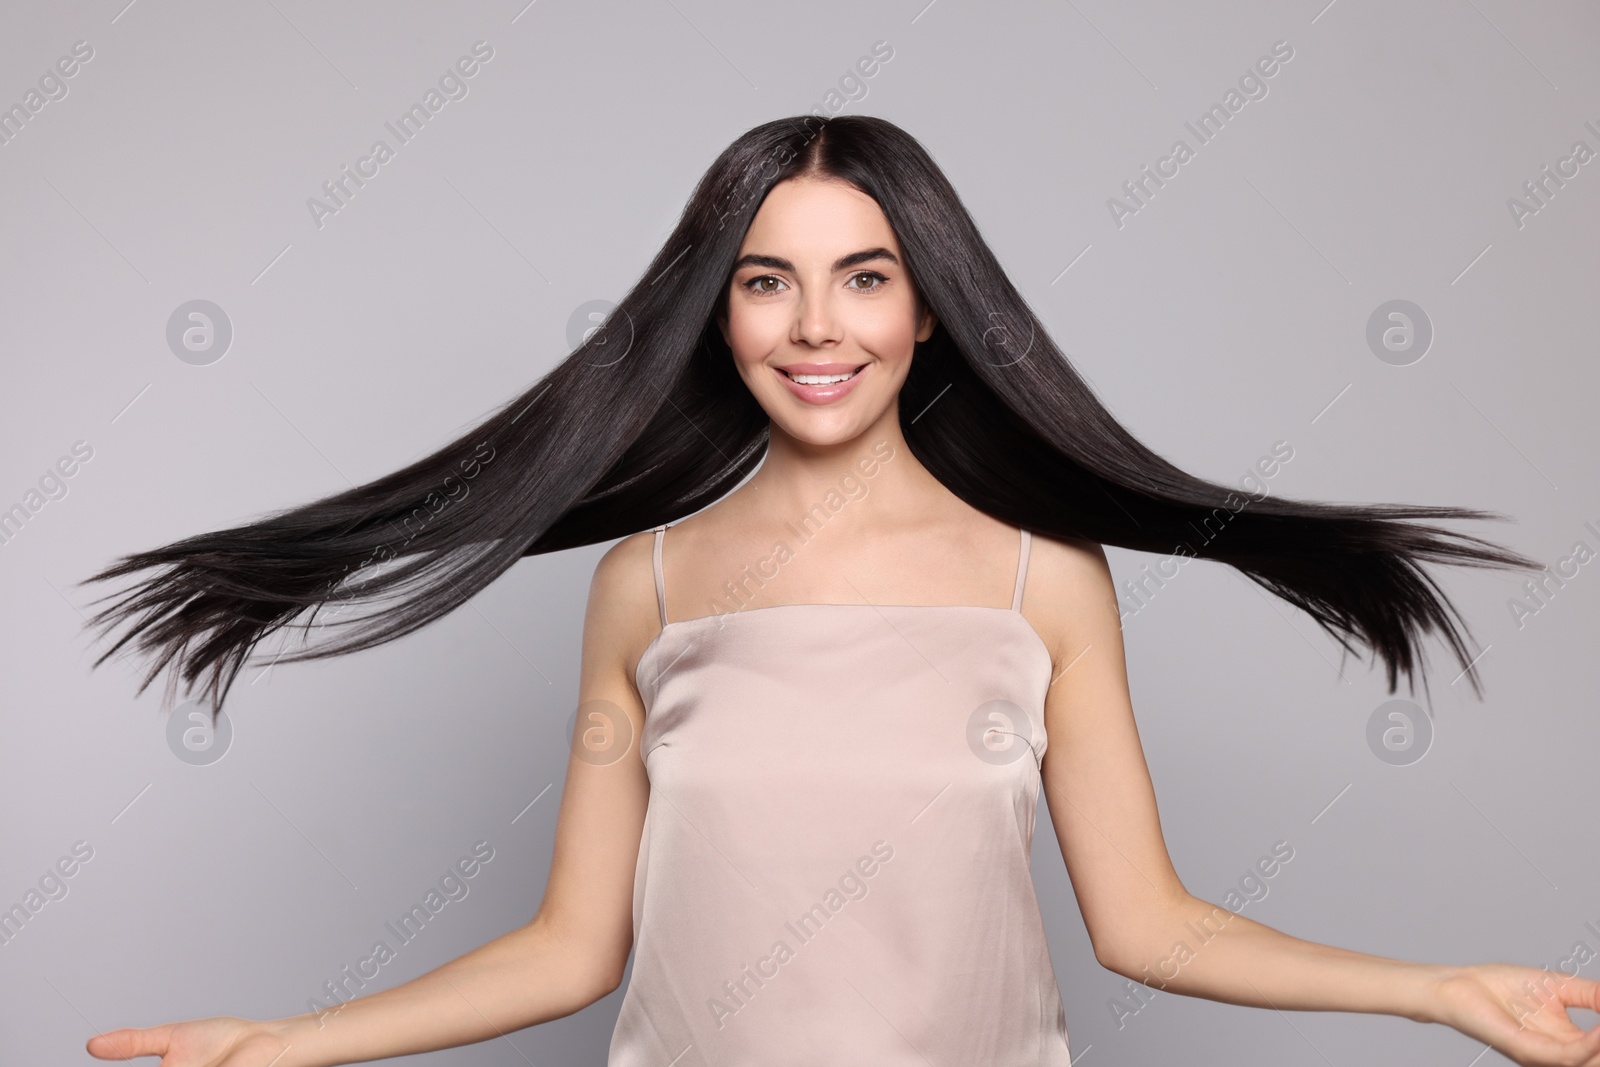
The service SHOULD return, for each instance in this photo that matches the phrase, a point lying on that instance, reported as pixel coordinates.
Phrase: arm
(570, 954)
(1146, 926)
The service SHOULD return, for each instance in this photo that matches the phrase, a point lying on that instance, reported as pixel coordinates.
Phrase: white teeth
(821, 379)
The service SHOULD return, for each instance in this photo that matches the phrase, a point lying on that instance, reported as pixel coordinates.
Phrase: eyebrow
(854, 259)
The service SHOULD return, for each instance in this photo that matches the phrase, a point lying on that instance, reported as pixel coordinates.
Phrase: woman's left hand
(1521, 1012)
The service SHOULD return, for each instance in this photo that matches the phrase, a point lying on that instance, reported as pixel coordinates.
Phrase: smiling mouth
(821, 379)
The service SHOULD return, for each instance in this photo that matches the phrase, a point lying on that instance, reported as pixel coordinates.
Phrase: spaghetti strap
(1022, 570)
(661, 585)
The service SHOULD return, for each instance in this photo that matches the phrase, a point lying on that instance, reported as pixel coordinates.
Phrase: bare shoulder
(1069, 596)
(621, 618)
(616, 576)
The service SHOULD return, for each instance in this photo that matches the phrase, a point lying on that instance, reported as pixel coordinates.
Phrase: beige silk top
(835, 864)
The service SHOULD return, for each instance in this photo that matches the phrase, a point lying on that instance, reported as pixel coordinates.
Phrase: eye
(754, 285)
(870, 274)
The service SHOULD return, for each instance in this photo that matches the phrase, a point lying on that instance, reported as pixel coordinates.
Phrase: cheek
(753, 335)
(889, 335)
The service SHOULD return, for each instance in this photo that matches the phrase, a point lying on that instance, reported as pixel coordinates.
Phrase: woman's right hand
(223, 1041)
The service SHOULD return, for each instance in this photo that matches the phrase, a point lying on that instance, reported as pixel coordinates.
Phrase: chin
(824, 430)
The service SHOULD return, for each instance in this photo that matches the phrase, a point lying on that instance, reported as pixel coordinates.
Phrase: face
(822, 314)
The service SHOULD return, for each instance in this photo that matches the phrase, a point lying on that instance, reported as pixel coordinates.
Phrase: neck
(871, 480)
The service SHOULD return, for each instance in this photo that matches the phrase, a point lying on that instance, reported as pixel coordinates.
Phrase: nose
(815, 323)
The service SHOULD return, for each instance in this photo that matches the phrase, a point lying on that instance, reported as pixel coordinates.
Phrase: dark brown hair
(648, 421)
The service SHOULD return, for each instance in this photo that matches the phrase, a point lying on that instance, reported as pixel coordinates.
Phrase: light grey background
(1227, 314)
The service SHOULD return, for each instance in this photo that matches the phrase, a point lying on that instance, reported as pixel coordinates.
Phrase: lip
(821, 394)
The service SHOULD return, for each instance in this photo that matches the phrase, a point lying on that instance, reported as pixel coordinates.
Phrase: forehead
(804, 218)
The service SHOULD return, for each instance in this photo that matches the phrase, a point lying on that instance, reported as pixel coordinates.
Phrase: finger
(1584, 993)
(1584, 1049)
(1588, 1047)
(129, 1042)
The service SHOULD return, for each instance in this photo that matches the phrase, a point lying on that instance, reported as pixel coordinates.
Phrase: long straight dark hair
(648, 421)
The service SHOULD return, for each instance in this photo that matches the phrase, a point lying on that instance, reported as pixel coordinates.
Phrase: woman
(818, 710)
